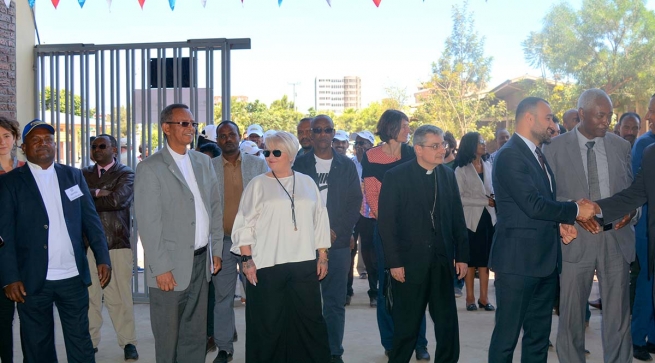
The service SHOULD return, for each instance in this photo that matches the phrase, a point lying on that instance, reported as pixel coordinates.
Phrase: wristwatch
(246, 258)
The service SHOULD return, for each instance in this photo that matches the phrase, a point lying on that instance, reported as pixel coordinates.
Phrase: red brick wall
(8, 60)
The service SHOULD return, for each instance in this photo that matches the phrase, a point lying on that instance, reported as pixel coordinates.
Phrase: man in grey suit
(590, 162)
(234, 171)
(180, 220)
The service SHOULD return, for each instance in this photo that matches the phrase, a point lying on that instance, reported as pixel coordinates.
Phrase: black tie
(540, 156)
(102, 172)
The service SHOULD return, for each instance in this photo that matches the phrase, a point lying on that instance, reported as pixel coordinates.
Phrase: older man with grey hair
(423, 231)
(593, 163)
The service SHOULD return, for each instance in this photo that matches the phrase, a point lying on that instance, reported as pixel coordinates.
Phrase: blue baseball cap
(35, 124)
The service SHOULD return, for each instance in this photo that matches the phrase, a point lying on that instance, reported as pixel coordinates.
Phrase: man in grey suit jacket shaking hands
(180, 220)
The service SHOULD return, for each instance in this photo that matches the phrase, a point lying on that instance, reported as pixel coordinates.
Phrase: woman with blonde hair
(282, 233)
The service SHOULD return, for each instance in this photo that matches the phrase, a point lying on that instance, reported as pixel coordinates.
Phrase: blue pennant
(81, 3)
(172, 3)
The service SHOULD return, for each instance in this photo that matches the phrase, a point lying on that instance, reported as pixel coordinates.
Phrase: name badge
(73, 192)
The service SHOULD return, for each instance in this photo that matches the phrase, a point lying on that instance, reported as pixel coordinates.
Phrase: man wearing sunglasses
(178, 210)
(339, 184)
(112, 186)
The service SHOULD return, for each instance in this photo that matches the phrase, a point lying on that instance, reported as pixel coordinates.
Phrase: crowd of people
(550, 208)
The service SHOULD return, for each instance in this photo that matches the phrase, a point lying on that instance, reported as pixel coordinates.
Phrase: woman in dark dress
(473, 174)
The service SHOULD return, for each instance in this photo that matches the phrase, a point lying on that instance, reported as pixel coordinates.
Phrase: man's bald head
(570, 119)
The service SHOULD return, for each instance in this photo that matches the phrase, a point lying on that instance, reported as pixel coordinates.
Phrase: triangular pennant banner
(279, 2)
(109, 4)
(329, 3)
(81, 3)
(8, 3)
(172, 4)
(203, 2)
(377, 2)
(55, 3)
(141, 3)
(31, 2)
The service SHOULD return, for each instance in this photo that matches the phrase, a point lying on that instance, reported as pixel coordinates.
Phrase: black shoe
(550, 344)
(422, 353)
(235, 337)
(373, 302)
(650, 347)
(641, 353)
(487, 307)
(348, 299)
(363, 276)
(471, 307)
(95, 350)
(386, 352)
(211, 345)
(223, 357)
(336, 359)
(130, 352)
(598, 304)
(587, 352)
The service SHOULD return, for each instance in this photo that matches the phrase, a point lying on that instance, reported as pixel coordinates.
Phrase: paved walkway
(361, 342)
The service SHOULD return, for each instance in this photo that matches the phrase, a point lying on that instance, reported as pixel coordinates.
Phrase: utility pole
(294, 84)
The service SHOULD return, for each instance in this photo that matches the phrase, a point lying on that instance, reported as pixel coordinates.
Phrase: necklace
(434, 204)
(292, 197)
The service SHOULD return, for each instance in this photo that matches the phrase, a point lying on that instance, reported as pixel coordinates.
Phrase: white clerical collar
(176, 156)
(38, 169)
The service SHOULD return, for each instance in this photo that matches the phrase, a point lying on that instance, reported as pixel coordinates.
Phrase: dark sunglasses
(101, 146)
(184, 123)
(276, 153)
(318, 130)
(361, 143)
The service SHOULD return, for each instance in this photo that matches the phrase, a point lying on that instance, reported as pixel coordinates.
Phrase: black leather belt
(607, 227)
(200, 251)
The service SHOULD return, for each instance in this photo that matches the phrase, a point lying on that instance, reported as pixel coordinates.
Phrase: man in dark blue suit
(526, 253)
(46, 208)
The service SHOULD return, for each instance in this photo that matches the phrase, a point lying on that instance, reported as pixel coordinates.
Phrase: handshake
(586, 212)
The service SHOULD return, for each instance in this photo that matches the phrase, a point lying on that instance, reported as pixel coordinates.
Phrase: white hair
(588, 97)
(286, 142)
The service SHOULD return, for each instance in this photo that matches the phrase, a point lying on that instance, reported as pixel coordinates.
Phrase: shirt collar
(108, 166)
(176, 156)
(37, 169)
(530, 144)
(582, 140)
(225, 161)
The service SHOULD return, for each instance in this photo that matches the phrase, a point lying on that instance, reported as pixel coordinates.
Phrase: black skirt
(480, 241)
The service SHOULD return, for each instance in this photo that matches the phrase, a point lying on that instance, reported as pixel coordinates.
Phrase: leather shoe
(363, 276)
(348, 299)
(211, 345)
(336, 359)
(650, 347)
(487, 307)
(598, 304)
(95, 350)
(422, 353)
(471, 307)
(373, 302)
(223, 357)
(641, 353)
(130, 352)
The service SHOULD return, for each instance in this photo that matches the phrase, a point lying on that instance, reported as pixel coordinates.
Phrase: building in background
(337, 94)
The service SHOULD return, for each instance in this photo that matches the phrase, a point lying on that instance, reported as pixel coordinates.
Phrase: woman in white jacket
(473, 174)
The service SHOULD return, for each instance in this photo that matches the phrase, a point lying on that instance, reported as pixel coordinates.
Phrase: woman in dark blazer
(473, 173)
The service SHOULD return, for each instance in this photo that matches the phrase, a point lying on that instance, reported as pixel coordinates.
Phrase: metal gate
(84, 90)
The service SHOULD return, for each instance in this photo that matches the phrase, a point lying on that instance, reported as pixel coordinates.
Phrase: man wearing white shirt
(178, 210)
(46, 208)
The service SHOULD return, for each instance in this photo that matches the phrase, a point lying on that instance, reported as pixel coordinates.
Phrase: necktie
(592, 172)
(102, 172)
(540, 156)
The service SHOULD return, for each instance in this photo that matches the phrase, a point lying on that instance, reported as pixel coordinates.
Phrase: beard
(543, 137)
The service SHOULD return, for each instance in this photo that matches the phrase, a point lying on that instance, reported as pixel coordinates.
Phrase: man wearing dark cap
(46, 208)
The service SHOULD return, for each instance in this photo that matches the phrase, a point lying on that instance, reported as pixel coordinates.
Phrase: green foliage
(456, 100)
(562, 96)
(606, 44)
(64, 96)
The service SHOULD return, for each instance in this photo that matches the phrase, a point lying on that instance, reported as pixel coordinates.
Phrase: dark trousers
(364, 232)
(410, 300)
(385, 322)
(6, 333)
(643, 313)
(178, 318)
(284, 321)
(37, 325)
(522, 302)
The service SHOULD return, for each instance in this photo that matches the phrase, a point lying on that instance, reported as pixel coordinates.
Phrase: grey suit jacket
(563, 155)
(251, 166)
(165, 213)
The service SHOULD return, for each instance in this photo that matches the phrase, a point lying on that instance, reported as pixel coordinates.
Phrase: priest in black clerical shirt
(425, 242)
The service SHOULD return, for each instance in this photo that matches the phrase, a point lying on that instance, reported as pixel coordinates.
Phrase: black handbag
(386, 290)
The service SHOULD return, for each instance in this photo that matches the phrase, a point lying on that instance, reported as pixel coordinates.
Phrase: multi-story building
(337, 94)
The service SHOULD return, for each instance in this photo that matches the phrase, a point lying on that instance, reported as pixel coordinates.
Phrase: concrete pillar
(8, 61)
(24, 61)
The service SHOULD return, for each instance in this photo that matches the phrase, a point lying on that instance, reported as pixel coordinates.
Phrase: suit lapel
(65, 182)
(612, 155)
(30, 183)
(573, 152)
(200, 179)
(532, 159)
(172, 166)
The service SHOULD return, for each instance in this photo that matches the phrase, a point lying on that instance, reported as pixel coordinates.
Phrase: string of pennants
(55, 3)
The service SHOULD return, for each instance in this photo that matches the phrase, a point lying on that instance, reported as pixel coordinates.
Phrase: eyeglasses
(184, 123)
(101, 146)
(276, 153)
(442, 145)
(482, 142)
(318, 130)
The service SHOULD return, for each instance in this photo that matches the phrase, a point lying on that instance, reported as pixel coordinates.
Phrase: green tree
(606, 44)
(456, 100)
(64, 96)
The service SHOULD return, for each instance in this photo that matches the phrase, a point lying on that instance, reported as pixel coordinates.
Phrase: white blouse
(264, 221)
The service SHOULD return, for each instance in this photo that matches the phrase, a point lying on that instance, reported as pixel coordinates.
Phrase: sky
(390, 46)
